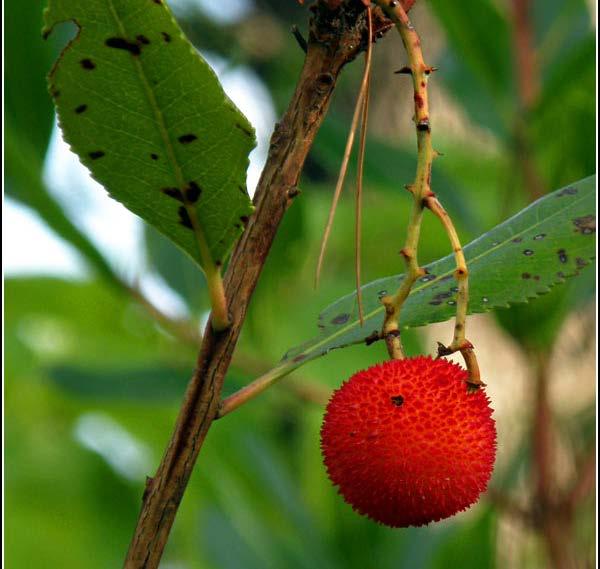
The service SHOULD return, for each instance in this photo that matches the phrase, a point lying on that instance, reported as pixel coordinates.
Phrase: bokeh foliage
(260, 497)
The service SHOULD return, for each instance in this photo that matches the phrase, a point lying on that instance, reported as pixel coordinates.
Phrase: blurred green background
(93, 382)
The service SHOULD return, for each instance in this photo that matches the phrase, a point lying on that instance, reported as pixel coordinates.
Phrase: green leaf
(516, 261)
(156, 382)
(26, 99)
(148, 117)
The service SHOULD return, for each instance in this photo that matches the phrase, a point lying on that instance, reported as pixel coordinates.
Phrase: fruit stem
(461, 274)
(424, 197)
(420, 189)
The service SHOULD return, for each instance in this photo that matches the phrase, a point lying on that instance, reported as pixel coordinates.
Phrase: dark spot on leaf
(80, 109)
(539, 237)
(242, 189)
(142, 39)
(442, 295)
(54, 92)
(586, 225)
(174, 193)
(427, 278)
(580, 262)
(526, 276)
(166, 37)
(159, 2)
(528, 252)
(184, 217)
(560, 275)
(567, 192)
(562, 256)
(244, 130)
(244, 219)
(96, 154)
(299, 358)
(536, 277)
(517, 240)
(122, 43)
(397, 400)
(340, 319)
(237, 225)
(192, 192)
(154, 156)
(87, 64)
(435, 302)
(187, 138)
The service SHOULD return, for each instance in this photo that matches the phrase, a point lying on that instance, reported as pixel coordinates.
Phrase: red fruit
(407, 444)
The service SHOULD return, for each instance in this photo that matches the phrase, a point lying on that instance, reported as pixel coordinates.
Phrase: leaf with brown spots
(148, 117)
(518, 260)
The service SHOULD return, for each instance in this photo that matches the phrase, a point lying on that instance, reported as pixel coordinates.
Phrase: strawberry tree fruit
(407, 443)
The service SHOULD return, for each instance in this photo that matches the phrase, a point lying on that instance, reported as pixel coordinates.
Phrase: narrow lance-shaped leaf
(148, 117)
(552, 239)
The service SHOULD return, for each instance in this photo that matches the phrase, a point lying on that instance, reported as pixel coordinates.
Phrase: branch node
(375, 336)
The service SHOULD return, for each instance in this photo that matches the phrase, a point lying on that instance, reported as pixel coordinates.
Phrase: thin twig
(360, 170)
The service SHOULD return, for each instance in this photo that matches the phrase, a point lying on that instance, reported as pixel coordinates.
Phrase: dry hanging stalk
(361, 162)
(423, 198)
(359, 117)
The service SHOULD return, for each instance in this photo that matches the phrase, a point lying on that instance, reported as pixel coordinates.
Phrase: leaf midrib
(379, 309)
(203, 247)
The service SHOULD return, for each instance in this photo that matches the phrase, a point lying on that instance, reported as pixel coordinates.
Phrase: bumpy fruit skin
(407, 444)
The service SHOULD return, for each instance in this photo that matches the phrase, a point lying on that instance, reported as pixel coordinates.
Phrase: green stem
(420, 189)
(461, 274)
(251, 390)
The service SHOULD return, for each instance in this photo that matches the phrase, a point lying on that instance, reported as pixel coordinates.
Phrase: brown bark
(336, 37)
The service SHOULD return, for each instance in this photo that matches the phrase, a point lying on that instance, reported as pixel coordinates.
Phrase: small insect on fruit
(407, 443)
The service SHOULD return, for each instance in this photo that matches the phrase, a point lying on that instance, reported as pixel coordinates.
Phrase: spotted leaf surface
(524, 257)
(148, 117)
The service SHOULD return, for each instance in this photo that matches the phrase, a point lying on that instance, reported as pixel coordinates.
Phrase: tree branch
(336, 37)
